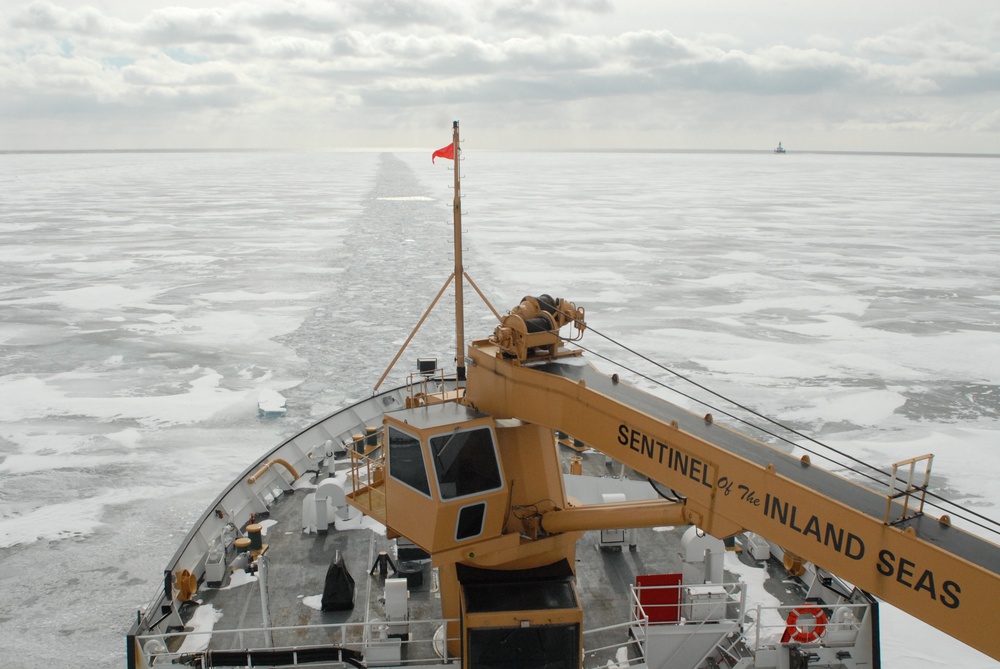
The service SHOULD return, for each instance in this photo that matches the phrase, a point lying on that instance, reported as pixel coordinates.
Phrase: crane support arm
(941, 574)
(646, 513)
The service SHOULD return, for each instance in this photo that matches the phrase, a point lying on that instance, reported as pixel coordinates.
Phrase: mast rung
(904, 493)
(918, 491)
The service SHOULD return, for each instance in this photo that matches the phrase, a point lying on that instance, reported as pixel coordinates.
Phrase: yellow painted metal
(270, 463)
(367, 492)
(186, 584)
(429, 520)
(517, 339)
(926, 580)
(794, 564)
(406, 343)
(534, 466)
(514, 619)
(647, 513)
(482, 296)
(509, 551)
(459, 271)
(139, 654)
(908, 490)
(533, 485)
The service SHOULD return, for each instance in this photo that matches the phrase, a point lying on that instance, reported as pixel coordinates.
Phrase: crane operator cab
(441, 483)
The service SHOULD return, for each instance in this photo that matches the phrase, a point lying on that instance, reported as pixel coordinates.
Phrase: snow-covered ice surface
(148, 299)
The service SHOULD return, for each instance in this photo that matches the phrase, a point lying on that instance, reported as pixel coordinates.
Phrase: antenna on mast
(459, 272)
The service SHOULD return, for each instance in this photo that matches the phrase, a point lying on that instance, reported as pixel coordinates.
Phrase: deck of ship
(298, 562)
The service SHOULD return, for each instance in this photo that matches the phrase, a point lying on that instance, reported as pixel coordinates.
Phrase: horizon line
(949, 154)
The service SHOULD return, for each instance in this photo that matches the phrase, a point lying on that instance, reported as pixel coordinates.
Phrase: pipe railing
(228, 641)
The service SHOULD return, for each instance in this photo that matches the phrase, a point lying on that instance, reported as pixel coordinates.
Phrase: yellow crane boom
(731, 482)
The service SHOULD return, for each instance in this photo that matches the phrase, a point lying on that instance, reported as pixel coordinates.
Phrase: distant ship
(780, 148)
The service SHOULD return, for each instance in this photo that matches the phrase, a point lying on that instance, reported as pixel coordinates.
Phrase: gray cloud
(542, 16)
(178, 25)
(402, 58)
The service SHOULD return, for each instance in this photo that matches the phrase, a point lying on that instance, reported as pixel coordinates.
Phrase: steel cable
(992, 525)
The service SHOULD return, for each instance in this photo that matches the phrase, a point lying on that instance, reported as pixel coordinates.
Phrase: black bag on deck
(338, 591)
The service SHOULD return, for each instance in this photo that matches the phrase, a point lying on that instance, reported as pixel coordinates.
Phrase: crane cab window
(406, 462)
(465, 462)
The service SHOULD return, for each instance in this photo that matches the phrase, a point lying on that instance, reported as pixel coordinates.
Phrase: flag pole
(451, 152)
(459, 272)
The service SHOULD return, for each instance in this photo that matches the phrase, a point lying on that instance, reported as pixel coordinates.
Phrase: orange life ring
(796, 633)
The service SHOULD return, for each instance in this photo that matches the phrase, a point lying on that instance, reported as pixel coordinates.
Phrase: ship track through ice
(534, 566)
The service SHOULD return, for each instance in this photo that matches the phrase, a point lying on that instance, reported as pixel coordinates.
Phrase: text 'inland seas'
(902, 569)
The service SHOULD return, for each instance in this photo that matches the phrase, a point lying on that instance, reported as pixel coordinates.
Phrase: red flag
(447, 152)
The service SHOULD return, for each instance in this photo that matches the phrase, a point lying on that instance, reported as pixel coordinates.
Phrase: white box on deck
(705, 602)
(395, 598)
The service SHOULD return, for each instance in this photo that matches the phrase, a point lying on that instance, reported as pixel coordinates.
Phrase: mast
(459, 272)
(459, 277)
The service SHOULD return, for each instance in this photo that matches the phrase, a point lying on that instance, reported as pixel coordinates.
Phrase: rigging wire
(993, 526)
(733, 416)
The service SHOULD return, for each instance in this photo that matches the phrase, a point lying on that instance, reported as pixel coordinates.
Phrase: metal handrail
(343, 628)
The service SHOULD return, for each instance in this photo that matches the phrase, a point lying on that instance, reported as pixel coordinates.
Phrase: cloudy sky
(880, 75)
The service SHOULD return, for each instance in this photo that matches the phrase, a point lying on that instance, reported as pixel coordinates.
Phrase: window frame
(435, 461)
(423, 463)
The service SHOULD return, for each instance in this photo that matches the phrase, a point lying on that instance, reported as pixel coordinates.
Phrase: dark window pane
(470, 521)
(406, 462)
(465, 462)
